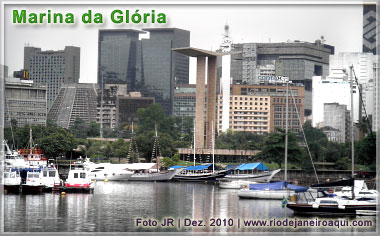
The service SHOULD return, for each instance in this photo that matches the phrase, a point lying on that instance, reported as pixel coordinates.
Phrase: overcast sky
(341, 25)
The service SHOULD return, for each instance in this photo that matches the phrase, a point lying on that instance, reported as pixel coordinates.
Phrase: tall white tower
(226, 46)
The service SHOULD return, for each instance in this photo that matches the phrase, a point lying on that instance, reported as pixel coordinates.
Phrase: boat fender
(63, 193)
(105, 180)
(341, 207)
(315, 205)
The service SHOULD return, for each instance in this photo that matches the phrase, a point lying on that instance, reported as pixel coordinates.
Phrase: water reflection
(115, 206)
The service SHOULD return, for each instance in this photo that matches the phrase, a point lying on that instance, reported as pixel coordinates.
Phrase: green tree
(365, 150)
(79, 128)
(93, 129)
(57, 143)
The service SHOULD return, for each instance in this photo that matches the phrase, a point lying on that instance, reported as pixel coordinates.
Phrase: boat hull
(12, 188)
(262, 177)
(161, 176)
(234, 184)
(32, 189)
(201, 176)
(265, 194)
(307, 209)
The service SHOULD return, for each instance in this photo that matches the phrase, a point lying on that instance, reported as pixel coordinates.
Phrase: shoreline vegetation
(177, 132)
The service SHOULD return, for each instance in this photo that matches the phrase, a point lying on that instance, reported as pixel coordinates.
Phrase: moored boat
(78, 180)
(33, 184)
(50, 178)
(234, 184)
(207, 172)
(256, 172)
(277, 190)
(110, 172)
(12, 182)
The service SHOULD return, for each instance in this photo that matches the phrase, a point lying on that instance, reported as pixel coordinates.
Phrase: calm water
(115, 207)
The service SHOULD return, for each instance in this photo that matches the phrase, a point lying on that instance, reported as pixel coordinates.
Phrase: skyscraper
(52, 68)
(148, 66)
(163, 67)
(119, 58)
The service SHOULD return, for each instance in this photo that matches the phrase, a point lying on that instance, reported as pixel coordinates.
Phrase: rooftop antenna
(226, 45)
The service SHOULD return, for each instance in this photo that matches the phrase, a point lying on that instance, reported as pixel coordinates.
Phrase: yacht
(312, 202)
(110, 172)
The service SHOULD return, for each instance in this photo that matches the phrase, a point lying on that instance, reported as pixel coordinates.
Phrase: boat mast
(30, 141)
(286, 129)
(213, 146)
(194, 141)
(155, 149)
(352, 124)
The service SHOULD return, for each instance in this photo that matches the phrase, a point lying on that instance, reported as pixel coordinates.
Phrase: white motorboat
(12, 182)
(110, 172)
(234, 184)
(308, 203)
(360, 190)
(33, 182)
(12, 158)
(78, 180)
(50, 178)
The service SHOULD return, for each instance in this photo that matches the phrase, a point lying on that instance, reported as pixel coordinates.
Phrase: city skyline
(281, 23)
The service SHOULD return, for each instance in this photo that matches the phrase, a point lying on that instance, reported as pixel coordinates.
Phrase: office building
(300, 61)
(52, 68)
(119, 58)
(74, 101)
(163, 67)
(148, 65)
(25, 102)
(333, 89)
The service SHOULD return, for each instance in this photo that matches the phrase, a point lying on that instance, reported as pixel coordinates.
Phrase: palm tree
(363, 127)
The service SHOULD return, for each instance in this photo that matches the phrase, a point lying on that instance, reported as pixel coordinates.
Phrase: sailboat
(151, 171)
(353, 199)
(207, 172)
(277, 190)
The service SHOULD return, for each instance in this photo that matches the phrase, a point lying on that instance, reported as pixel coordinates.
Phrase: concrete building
(108, 111)
(299, 61)
(74, 101)
(120, 57)
(363, 69)
(263, 107)
(25, 102)
(247, 113)
(148, 65)
(184, 100)
(337, 117)
(52, 68)
(128, 105)
(333, 89)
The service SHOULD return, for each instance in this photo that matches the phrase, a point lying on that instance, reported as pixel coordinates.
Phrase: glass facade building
(119, 58)
(148, 66)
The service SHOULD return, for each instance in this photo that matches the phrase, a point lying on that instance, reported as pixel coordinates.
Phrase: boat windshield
(6, 175)
(33, 175)
(51, 173)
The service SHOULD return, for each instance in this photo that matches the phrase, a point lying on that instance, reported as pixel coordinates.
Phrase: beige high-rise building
(247, 113)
